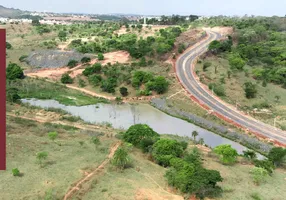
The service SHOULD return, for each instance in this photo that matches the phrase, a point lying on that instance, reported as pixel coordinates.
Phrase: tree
(259, 175)
(165, 149)
(36, 22)
(226, 153)
(66, 79)
(250, 90)
(94, 79)
(95, 140)
(120, 158)
(277, 155)
(12, 94)
(195, 134)
(138, 134)
(249, 154)
(159, 84)
(72, 63)
(62, 35)
(41, 156)
(52, 135)
(97, 67)
(100, 56)
(15, 172)
(236, 62)
(85, 60)
(14, 71)
(8, 45)
(201, 141)
(123, 91)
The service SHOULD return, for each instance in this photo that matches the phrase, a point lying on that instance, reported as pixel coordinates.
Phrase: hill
(10, 12)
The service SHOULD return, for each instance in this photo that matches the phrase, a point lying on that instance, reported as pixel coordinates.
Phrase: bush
(12, 95)
(181, 48)
(14, 71)
(159, 84)
(165, 149)
(109, 85)
(120, 158)
(250, 90)
(218, 89)
(227, 154)
(66, 79)
(97, 67)
(15, 172)
(8, 45)
(277, 155)
(123, 91)
(100, 56)
(140, 135)
(72, 63)
(23, 58)
(52, 135)
(85, 60)
(259, 175)
(94, 79)
(265, 164)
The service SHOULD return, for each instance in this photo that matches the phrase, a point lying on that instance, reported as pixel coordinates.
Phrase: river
(125, 115)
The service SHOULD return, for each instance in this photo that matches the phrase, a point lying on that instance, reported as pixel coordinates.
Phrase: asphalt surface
(186, 75)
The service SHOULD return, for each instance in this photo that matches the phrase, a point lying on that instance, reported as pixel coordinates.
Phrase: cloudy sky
(155, 7)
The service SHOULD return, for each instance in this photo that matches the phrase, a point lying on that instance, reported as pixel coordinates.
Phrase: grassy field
(265, 98)
(67, 159)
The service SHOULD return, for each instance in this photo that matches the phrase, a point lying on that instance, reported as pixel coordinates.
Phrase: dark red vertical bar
(2, 99)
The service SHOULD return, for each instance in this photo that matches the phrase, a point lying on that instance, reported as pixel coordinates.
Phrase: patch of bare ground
(148, 194)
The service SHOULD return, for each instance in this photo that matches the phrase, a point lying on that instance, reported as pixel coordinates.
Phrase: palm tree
(120, 158)
(195, 134)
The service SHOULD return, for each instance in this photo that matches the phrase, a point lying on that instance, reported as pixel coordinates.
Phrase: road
(185, 69)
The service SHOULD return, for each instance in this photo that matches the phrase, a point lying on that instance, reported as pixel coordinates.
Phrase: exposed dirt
(56, 73)
(222, 30)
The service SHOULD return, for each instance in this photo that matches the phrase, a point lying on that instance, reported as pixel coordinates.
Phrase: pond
(125, 115)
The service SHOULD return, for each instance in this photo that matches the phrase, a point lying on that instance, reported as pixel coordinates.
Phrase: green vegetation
(53, 135)
(40, 89)
(72, 63)
(66, 79)
(14, 71)
(15, 172)
(121, 158)
(8, 45)
(227, 154)
(277, 155)
(259, 175)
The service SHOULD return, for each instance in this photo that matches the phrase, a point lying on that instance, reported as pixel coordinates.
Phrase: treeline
(137, 48)
(170, 20)
(259, 43)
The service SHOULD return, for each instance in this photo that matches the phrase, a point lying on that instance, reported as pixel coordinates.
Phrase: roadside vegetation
(250, 62)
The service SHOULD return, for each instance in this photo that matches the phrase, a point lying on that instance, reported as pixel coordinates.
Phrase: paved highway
(187, 77)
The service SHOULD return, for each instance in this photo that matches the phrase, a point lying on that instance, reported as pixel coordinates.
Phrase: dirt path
(87, 177)
(92, 127)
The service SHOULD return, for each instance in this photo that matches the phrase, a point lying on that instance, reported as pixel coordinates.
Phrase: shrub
(159, 84)
(15, 172)
(140, 135)
(227, 154)
(250, 90)
(85, 60)
(259, 175)
(249, 154)
(277, 155)
(109, 85)
(218, 89)
(8, 45)
(97, 67)
(265, 164)
(72, 63)
(41, 156)
(14, 71)
(123, 91)
(66, 79)
(100, 56)
(52, 135)
(166, 149)
(95, 79)
(23, 58)
(120, 158)
(12, 95)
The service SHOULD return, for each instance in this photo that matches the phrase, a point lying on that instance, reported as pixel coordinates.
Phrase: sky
(155, 7)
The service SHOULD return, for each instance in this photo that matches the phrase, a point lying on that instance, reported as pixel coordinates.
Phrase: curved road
(186, 75)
